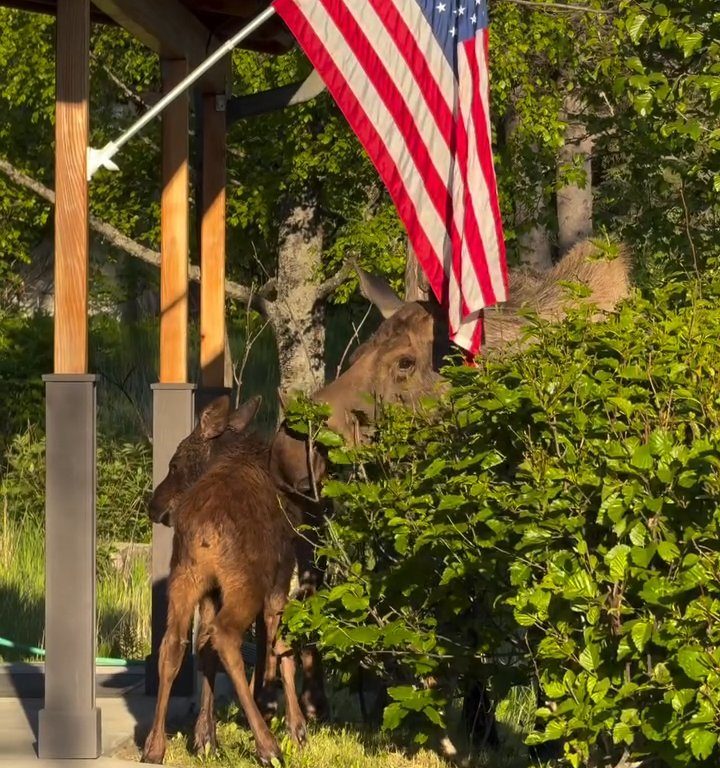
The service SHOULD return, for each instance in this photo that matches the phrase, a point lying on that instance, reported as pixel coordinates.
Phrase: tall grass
(123, 595)
(22, 582)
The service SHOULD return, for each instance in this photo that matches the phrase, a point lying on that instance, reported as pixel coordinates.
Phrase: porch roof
(181, 28)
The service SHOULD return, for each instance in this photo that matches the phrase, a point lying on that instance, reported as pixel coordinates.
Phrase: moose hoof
(153, 751)
(314, 705)
(268, 701)
(205, 738)
(269, 752)
(298, 731)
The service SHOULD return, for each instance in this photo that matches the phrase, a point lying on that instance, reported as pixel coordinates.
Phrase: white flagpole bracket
(102, 158)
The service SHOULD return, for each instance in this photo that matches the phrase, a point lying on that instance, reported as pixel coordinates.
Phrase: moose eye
(406, 364)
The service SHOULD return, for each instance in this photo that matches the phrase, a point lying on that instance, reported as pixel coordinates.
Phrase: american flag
(411, 77)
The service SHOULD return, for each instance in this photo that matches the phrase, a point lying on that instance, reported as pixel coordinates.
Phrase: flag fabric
(411, 77)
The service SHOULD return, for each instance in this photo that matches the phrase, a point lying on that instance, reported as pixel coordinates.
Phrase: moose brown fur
(232, 555)
(400, 362)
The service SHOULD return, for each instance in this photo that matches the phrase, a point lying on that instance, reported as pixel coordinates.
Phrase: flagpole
(102, 158)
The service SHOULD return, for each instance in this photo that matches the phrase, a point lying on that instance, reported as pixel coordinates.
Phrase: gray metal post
(69, 724)
(173, 420)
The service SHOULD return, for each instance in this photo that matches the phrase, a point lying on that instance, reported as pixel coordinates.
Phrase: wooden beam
(72, 243)
(212, 244)
(174, 220)
(168, 28)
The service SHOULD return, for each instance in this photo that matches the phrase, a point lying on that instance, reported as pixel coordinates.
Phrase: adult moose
(400, 363)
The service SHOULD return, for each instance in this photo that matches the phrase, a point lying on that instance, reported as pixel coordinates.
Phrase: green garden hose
(100, 661)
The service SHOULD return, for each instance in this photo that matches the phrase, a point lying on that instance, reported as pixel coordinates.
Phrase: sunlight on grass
(22, 583)
(123, 596)
(351, 745)
(124, 610)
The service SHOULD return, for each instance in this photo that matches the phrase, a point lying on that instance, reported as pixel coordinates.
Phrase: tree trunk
(417, 287)
(574, 202)
(533, 236)
(297, 315)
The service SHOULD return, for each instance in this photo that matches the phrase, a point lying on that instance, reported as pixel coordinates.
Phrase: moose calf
(233, 555)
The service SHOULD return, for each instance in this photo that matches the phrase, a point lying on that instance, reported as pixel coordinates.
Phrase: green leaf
(393, 715)
(434, 716)
(635, 25)
(691, 660)
(328, 438)
(702, 743)
(642, 457)
(590, 658)
(451, 501)
(691, 42)
(682, 698)
(622, 734)
(355, 602)
(641, 632)
(616, 560)
(668, 551)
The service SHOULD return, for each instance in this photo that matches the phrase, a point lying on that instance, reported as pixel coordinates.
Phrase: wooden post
(174, 218)
(212, 244)
(69, 723)
(72, 244)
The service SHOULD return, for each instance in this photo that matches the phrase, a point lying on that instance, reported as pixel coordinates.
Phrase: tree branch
(562, 7)
(333, 283)
(132, 247)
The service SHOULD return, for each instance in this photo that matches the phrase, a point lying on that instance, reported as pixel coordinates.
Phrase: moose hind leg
(182, 598)
(294, 717)
(229, 628)
(205, 730)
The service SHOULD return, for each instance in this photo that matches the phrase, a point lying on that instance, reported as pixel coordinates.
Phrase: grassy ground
(344, 744)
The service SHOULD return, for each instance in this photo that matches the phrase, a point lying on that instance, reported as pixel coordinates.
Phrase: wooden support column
(72, 243)
(174, 222)
(69, 723)
(173, 407)
(212, 243)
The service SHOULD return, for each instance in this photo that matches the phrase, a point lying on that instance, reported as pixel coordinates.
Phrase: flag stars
(473, 18)
(441, 7)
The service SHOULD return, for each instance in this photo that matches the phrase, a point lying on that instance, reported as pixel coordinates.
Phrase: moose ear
(379, 293)
(241, 419)
(214, 418)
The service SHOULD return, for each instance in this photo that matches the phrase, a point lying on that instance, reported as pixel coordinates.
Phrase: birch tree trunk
(574, 202)
(297, 315)
(530, 212)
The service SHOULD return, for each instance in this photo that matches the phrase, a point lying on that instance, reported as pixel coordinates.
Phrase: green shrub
(25, 355)
(555, 519)
(123, 486)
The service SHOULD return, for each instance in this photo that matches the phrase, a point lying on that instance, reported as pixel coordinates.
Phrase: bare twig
(311, 464)
(687, 229)
(138, 412)
(132, 247)
(249, 343)
(123, 87)
(356, 331)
